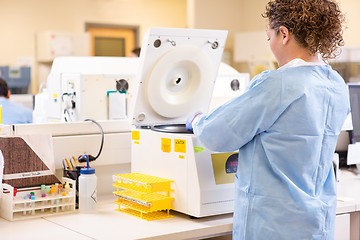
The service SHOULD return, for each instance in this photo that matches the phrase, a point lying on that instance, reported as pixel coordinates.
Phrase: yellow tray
(143, 196)
(146, 216)
(142, 208)
(142, 182)
(154, 201)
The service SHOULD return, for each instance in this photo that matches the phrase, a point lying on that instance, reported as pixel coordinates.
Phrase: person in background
(135, 52)
(12, 113)
(285, 127)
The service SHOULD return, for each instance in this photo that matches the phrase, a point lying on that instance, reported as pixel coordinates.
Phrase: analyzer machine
(177, 73)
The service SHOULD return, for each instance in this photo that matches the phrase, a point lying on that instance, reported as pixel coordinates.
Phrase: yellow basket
(142, 183)
(146, 216)
(153, 201)
(144, 196)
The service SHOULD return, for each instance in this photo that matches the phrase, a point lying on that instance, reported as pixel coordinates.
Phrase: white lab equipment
(117, 105)
(177, 73)
(40, 108)
(87, 87)
(228, 85)
(77, 88)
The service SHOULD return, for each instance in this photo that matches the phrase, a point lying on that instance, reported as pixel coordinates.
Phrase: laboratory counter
(107, 223)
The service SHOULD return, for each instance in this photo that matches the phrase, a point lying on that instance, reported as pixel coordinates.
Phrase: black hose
(102, 136)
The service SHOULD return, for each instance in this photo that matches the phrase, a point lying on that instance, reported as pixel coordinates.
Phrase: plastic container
(42, 101)
(87, 189)
(74, 175)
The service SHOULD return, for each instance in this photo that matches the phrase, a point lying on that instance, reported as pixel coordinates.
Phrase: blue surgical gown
(285, 127)
(13, 113)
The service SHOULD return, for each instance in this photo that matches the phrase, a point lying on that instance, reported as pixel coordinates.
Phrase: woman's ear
(285, 34)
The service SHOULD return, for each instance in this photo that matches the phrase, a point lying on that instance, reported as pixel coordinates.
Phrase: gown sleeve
(235, 123)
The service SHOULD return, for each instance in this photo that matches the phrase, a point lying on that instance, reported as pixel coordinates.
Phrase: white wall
(251, 19)
(351, 9)
(20, 20)
(245, 16)
(215, 14)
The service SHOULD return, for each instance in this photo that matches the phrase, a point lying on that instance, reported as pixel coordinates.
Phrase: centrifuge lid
(177, 72)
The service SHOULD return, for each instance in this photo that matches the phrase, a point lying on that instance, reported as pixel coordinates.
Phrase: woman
(285, 127)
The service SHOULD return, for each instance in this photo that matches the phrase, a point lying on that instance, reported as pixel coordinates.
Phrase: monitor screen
(354, 91)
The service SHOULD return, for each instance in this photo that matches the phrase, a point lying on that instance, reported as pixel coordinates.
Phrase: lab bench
(107, 223)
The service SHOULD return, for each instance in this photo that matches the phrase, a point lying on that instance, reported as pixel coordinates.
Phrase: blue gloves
(190, 120)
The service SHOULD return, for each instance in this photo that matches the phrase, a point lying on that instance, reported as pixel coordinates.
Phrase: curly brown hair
(316, 24)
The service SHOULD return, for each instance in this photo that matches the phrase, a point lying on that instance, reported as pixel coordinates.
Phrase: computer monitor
(353, 156)
(354, 92)
(17, 78)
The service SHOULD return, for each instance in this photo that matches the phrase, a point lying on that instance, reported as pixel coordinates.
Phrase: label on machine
(224, 166)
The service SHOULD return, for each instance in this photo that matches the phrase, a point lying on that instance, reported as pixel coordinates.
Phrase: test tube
(47, 190)
(30, 204)
(57, 203)
(67, 191)
(15, 193)
(43, 195)
(67, 187)
(33, 205)
(63, 201)
(24, 212)
(53, 192)
(59, 188)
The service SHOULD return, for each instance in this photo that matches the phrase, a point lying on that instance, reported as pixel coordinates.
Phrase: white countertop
(349, 189)
(107, 223)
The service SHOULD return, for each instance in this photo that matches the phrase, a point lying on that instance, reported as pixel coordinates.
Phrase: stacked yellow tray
(143, 196)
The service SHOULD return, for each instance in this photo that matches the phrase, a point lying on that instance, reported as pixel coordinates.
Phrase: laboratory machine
(78, 88)
(100, 88)
(177, 73)
(229, 84)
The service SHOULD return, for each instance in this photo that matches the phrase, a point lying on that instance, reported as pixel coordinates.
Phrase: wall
(232, 15)
(20, 20)
(351, 10)
(215, 14)
(252, 20)
(245, 16)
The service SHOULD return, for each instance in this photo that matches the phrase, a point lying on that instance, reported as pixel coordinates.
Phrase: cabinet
(342, 227)
(51, 44)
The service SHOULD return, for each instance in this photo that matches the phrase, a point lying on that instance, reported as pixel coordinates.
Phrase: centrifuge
(176, 77)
